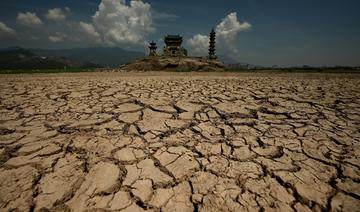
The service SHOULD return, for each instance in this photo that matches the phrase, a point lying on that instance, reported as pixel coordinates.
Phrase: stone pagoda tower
(212, 55)
(152, 48)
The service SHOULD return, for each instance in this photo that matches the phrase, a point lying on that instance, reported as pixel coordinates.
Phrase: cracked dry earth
(180, 142)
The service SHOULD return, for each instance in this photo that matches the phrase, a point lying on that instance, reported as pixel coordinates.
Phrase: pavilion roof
(173, 37)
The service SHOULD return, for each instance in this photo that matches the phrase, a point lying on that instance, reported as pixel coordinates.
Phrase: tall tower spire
(152, 48)
(212, 45)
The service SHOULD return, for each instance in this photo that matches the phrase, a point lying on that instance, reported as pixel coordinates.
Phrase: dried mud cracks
(180, 143)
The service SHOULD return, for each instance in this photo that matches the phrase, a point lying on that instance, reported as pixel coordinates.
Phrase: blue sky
(282, 32)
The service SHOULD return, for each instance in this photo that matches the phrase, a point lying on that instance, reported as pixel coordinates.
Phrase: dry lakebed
(180, 142)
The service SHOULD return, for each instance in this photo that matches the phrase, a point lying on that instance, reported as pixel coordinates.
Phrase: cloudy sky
(262, 32)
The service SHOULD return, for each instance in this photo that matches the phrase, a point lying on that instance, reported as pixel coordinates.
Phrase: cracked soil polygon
(180, 142)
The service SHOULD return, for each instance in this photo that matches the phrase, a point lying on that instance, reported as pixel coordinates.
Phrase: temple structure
(175, 58)
(152, 48)
(212, 36)
(173, 46)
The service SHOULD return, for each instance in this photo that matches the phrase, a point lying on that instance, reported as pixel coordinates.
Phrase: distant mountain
(11, 48)
(227, 60)
(112, 57)
(19, 58)
(242, 66)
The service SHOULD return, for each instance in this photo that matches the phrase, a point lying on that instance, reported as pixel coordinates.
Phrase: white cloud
(6, 31)
(57, 14)
(28, 19)
(90, 30)
(58, 37)
(199, 43)
(116, 22)
(226, 33)
(228, 29)
(230, 26)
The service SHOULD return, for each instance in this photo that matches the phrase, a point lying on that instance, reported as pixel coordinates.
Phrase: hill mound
(173, 64)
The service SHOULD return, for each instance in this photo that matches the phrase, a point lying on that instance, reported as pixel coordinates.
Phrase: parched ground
(180, 142)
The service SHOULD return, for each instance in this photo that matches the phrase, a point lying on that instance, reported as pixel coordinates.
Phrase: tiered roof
(171, 40)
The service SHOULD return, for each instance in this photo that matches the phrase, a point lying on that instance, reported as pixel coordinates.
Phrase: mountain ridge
(106, 56)
(19, 58)
(16, 57)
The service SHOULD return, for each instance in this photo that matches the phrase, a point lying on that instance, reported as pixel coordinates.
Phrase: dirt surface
(180, 142)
